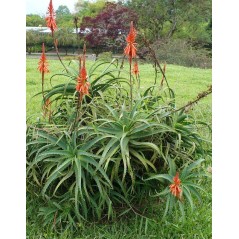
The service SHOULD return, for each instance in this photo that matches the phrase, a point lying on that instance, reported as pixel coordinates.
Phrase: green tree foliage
(34, 40)
(63, 17)
(31, 40)
(174, 19)
(109, 27)
(91, 9)
(34, 20)
(62, 10)
(66, 39)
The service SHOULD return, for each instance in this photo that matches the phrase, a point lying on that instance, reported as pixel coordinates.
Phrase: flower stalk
(82, 86)
(164, 70)
(157, 64)
(57, 52)
(130, 51)
(50, 18)
(51, 23)
(135, 71)
(43, 67)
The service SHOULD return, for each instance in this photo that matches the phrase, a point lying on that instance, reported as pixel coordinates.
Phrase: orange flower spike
(175, 187)
(43, 64)
(132, 34)
(81, 79)
(83, 88)
(82, 85)
(130, 50)
(50, 18)
(135, 69)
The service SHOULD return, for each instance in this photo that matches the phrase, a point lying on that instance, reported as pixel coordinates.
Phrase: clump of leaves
(101, 153)
(187, 185)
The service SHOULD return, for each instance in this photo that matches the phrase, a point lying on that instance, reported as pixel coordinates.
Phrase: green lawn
(186, 83)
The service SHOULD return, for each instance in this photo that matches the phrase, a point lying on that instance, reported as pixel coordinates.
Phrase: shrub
(105, 56)
(103, 146)
(181, 52)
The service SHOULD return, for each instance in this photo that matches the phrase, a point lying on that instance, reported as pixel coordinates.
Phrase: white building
(47, 30)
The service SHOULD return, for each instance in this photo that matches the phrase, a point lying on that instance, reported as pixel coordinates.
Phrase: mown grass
(186, 83)
(197, 225)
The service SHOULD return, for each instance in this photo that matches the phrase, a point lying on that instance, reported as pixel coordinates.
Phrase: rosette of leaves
(63, 165)
(184, 142)
(127, 147)
(103, 76)
(190, 175)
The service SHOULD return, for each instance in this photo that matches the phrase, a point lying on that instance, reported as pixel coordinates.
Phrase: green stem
(77, 112)
(138, 78)
(131, 85)
(42, 89)
(42, 84)
(157, 63)
(199, 97)
(57, 52)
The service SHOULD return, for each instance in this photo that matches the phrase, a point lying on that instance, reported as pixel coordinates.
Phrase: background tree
(62, 10)
(66, 39)
(91, 9)
(109, 27)
(194, 17)
(185, 19)
(31, 40)
(63, 17)
(34, 20)
(34, 40)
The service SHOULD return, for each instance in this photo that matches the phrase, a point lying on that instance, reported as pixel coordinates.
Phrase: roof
(36, 28)
(47, 30)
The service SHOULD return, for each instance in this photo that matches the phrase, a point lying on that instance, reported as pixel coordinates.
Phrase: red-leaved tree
(109, 28)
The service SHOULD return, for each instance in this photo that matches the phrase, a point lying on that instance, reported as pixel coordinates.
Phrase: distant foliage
(34, 20)
(109, 27)
(64, 17)
(181, 52)
(89, 8)
(62, 10)
(66, 39)
(180, 19)
(107, 56)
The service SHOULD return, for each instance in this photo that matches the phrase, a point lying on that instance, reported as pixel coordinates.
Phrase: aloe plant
(127, 145)
(189, 176)
(67, 165)
(107, 145)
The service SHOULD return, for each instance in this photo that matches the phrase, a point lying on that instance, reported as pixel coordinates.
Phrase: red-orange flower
(50, 18)
(130, 50)
(43, 64)
(132, 33)
(135, 69)
(175, 187)
(82, 85)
